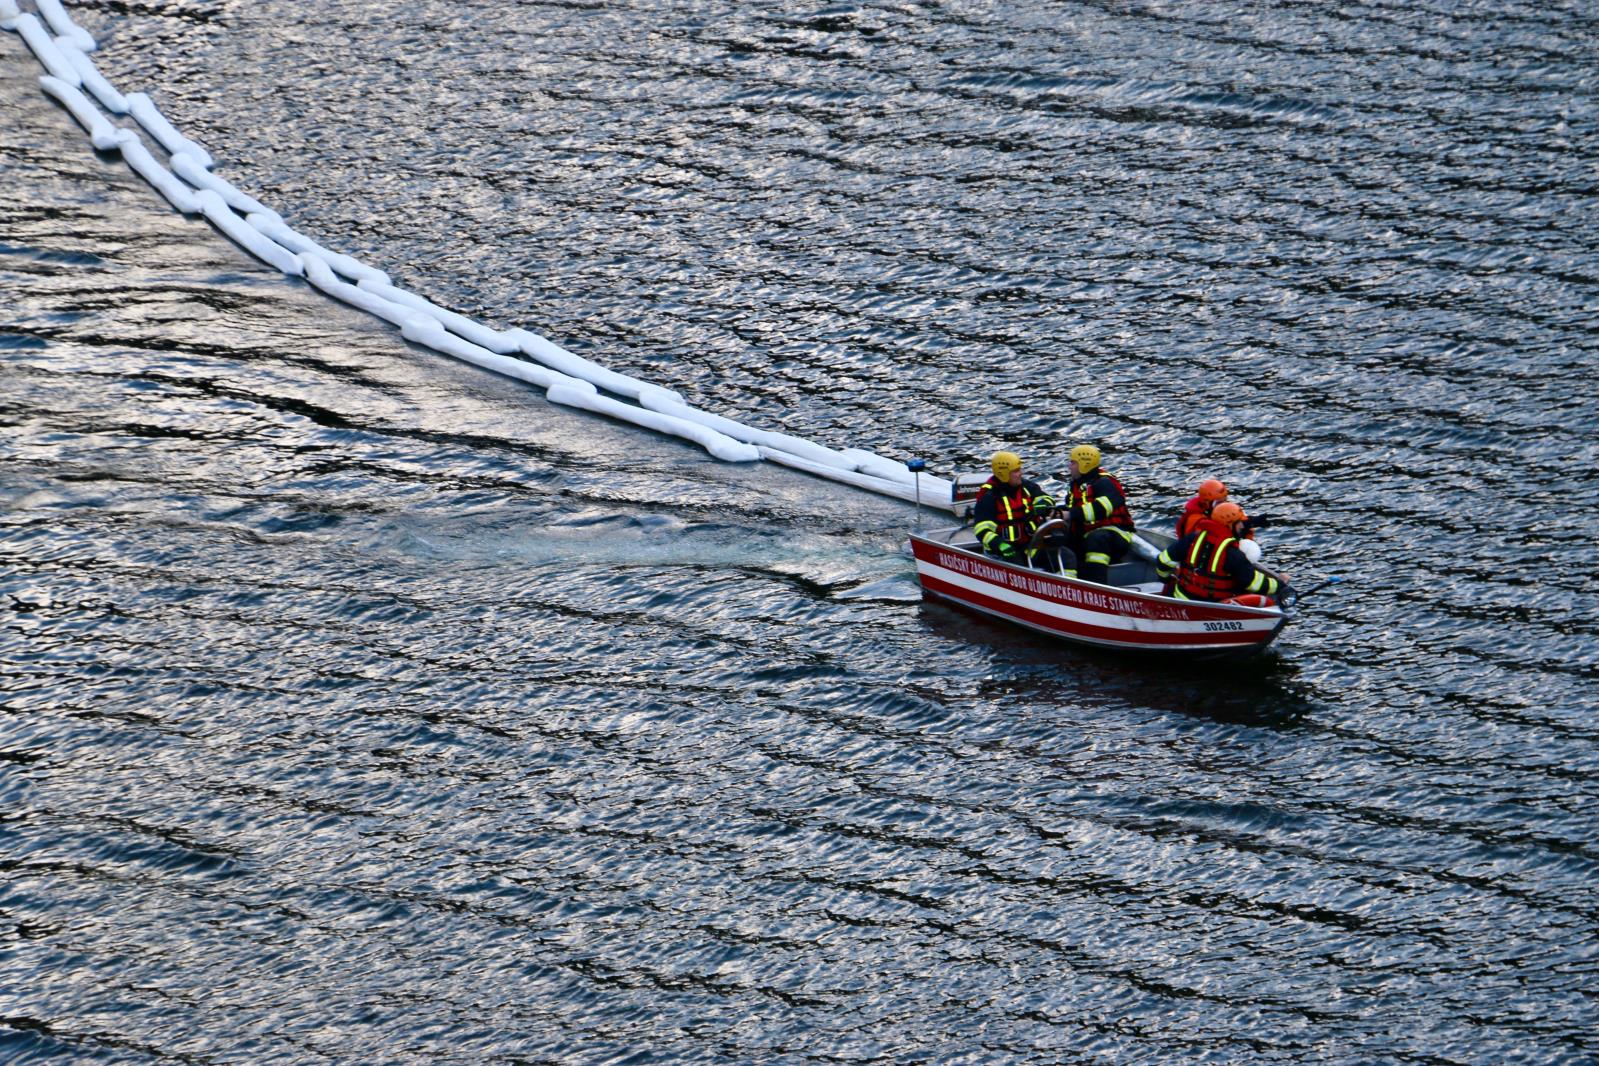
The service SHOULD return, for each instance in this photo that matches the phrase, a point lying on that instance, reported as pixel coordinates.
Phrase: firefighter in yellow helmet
(1008, 509)
(1099, 525)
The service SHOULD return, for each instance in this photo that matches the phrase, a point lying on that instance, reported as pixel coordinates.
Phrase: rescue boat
(1128, 614)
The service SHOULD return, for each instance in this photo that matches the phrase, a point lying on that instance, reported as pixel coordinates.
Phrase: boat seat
(1132, 572)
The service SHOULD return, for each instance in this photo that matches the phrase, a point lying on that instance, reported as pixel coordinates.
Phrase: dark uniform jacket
(1210, 566)
(1097, 501)
(1009, 514)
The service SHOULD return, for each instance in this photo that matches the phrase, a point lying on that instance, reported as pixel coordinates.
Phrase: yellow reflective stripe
(1098, 557)
(1105, 501)
(1193, 553)
(1219, 554)
(1125, 534)
(982, 527)
(1260, 579)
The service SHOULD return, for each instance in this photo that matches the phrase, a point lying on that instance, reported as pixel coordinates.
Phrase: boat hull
(1086, 613)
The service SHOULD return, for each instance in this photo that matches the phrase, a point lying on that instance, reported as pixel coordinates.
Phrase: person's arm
(1166, 561)
(986, 512)
(1248, 578)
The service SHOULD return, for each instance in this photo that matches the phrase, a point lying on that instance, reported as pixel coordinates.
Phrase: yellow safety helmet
(1086, 456)
(1005, 464)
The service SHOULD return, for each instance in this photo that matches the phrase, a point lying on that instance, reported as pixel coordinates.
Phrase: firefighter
(1209, 563)
(1008, 509)
(1211, 492)
(1100, 528)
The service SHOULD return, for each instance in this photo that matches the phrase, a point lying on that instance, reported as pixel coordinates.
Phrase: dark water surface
(360, 706)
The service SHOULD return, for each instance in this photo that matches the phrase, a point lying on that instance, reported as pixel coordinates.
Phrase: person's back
(1209, 564)
(1211, 492)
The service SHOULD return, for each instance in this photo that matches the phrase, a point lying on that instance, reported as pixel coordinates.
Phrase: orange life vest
(1202, 569)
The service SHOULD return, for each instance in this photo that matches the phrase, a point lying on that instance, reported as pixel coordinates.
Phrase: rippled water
(361, 706)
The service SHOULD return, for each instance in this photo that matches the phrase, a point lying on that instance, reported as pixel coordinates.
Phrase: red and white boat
(1129, 613)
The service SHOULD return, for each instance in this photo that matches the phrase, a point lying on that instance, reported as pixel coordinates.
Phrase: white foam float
(430, 333)
(320, 274)
(814, 453)
(567, 379)
(189, 169)
(929, 494)
(93, 80)
(64, 27)
(479, 334)
(574, 392)
(553, 355)
(272, 224)
(160, 178)
(102, 134)
(247, 236)
(879, 466)
(43, 46)
(720, 445)
(146, 114)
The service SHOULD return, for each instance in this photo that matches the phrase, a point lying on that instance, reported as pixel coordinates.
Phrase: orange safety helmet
(1212, 491)
(1227, 513)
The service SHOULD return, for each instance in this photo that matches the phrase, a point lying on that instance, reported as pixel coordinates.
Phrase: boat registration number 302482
(1224, 627)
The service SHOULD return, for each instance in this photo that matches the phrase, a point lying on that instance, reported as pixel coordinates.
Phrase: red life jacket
(1194, 511)
(1202, 569)
(1083, 493)
(1014, 512)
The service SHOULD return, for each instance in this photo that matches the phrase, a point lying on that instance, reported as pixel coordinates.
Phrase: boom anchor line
(187, 182)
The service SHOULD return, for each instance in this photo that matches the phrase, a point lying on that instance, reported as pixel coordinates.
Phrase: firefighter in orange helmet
(1211, 492)
(1209, 563)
